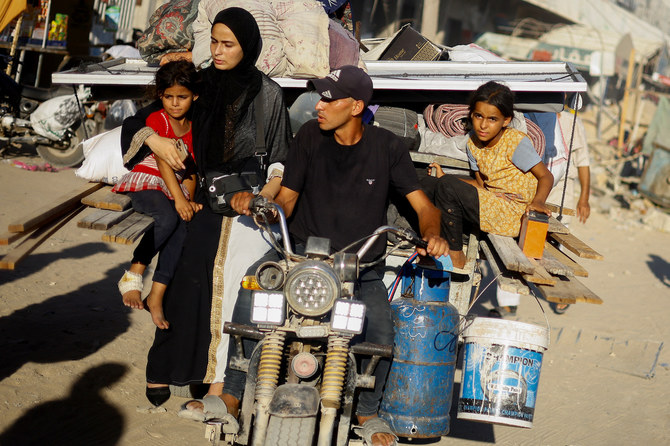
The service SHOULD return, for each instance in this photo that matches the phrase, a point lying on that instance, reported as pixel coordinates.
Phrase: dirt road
(72, 357)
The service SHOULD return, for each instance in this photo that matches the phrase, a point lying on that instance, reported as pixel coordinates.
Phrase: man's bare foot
(457, 258)
(379, 439)
(154, 303)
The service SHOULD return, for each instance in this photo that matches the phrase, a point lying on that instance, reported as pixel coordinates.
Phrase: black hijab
(227, 94)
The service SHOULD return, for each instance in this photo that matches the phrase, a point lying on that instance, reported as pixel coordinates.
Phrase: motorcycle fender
(294, 400)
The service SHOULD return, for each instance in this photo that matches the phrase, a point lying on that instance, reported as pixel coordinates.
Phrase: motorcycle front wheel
(70, 151)
(290, 431)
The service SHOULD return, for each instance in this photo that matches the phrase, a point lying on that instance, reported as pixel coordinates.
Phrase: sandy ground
(72, 357)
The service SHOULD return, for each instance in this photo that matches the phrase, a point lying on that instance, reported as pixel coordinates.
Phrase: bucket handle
(465, 318)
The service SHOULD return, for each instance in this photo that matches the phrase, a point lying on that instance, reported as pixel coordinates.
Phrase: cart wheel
(70, 152)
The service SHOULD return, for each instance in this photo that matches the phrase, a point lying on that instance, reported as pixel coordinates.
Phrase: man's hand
(583, 210)
(437, 246)
(240, 202)
(165, 149)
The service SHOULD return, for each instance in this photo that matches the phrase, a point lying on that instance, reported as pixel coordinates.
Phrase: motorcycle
(304, 369)
(68, 119)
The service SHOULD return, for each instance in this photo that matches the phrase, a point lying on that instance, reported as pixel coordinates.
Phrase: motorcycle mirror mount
(317, 247)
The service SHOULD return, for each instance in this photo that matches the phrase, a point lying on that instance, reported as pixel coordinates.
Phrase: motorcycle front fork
(334, 374)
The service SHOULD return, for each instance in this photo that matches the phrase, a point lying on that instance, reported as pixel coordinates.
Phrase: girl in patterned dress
(157, 190)
(510, 178)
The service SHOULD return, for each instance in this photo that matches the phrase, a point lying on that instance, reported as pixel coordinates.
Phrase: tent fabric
(658, 128)
(9, 10)
(605, 16)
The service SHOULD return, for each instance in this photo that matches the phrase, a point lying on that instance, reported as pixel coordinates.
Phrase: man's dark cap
(347, 81)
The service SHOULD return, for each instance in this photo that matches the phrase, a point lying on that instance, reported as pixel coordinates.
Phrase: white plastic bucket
(501, 371)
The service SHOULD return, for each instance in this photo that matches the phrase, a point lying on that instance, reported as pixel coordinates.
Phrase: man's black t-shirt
(344, 189)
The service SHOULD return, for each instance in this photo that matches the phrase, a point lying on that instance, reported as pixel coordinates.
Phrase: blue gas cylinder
(417, 397)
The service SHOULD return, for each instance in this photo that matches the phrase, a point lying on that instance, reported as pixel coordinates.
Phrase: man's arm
(429, 224)
(583, 207)
(287, 198)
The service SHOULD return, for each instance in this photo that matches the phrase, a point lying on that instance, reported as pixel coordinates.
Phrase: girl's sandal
(130, 282)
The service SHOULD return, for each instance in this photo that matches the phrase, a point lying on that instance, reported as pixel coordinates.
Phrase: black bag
(221, 187)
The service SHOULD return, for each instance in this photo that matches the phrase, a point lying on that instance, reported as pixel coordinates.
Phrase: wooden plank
(60, 206)
(556, 208)
(427, 158)
(576, 246)
(569, 290)
(10, 237)
(539, 276)
(511, 255)
(460, 289)
(106, 199)
(553, 266)
(32, 241)
(550, 251)
(129, 230)
(553, 252)
(508, 281)
(557, 226)
(103, 219)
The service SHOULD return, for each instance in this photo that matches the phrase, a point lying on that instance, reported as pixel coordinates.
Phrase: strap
(260, 153)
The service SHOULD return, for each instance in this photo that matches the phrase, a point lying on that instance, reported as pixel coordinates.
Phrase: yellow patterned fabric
(508, 190)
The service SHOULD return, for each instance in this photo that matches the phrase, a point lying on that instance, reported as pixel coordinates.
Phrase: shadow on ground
(83, 417)
(63, 328)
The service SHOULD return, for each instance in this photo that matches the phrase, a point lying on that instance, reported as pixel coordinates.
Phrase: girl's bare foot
(457, 258)
(130, 287)
(155, 305)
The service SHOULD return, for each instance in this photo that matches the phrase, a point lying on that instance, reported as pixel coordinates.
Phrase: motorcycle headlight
(311, 288)
(348, 316)
(267, 308)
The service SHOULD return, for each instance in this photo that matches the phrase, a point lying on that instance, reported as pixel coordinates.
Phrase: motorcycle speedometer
(311, 288)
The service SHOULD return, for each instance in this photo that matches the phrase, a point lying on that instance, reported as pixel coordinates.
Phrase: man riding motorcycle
(336, 185)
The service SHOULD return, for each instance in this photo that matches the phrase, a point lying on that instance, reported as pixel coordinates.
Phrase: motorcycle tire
(68, 153)
(290, 431)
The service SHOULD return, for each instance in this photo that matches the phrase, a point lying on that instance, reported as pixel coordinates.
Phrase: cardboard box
(408, 44)
(533, 234)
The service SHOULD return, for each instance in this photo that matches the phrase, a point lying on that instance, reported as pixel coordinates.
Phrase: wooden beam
(129, 230)
(557, 226)
(427, 158)
(556, 208)
(511, 255)
(103, 219)
(626, 95)
(569, 290)
(508, 281)
(576, 246)
(63, 205)
(539, 276)
(106, 199)
(550, 251)
(32, 241)
(10, 237)
(553, 266)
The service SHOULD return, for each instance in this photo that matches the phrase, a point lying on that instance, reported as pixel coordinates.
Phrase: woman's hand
(439, 173)
(179, 55)
(165, 149)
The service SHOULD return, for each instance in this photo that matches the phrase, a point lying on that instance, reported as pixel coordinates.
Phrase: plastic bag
(102, 158)
(53, 117)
